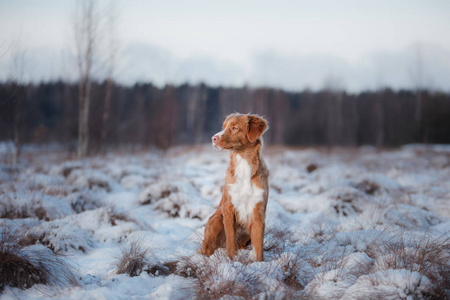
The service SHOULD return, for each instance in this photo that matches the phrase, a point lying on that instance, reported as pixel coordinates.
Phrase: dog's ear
(256, 127)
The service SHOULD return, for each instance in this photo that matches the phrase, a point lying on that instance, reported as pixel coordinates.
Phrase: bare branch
(11, 44)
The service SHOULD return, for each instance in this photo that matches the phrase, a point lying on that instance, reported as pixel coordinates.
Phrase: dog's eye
(234, 128)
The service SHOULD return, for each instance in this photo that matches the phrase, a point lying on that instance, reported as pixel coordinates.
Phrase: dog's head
(240, 131)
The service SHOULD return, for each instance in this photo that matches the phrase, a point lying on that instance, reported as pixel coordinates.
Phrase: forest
(147, 115)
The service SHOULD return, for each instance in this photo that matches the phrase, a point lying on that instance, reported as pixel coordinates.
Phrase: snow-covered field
(340, 224)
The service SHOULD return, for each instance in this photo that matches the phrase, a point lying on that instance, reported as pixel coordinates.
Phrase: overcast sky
(355, 45)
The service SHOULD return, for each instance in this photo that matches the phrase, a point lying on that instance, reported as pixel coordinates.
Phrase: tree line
(190, 114)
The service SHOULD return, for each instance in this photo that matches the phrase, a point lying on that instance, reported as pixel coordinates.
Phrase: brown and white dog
(240, 217)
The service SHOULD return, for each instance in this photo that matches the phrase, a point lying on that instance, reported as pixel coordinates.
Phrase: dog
(240, 218)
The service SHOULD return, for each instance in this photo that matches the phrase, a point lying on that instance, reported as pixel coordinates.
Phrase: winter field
(345, 223)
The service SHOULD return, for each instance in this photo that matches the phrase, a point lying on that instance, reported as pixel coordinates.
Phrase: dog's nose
(215, 139)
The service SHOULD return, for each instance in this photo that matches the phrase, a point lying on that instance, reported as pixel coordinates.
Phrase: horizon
(102, 81)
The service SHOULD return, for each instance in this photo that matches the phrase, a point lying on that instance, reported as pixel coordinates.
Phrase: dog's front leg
(257, 231)
(230, 228)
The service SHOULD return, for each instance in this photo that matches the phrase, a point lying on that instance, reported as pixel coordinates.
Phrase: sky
(353, 45)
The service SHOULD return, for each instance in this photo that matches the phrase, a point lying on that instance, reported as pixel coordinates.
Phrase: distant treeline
(147, 115)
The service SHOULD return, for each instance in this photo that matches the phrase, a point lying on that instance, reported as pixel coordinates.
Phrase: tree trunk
(379, 119)
(17, 140)
(85, 38)
(83, 118)
(106, 108)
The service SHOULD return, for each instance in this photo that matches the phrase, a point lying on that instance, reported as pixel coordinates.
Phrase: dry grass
(321, 230)
(422, 253)
(17, 271)
(169, 200)
(33, 210)
(28, 238)
(297, 265)
(85, 201)
(276, 239)
(115, 217)
(216, 278)
(429, 256)
(369, 187)
(291, 267)
(133, 259)
(9, 209)
(24, 266)
(242, 278)
(312, 167)
(165, 193)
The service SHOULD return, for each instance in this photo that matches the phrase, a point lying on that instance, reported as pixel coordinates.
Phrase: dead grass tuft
(218, 276)
(171, 208)
(327, 269)
(68, 168)
(238, 283)
(115, 217)
(29, 238)
(369, 187)
(134, 259)
(275, 187)
(276, 239)
(151, 197)
(11, 208)
(164, 269)
(311, 168)
(17, 271)
(321, 231)
(23, 266)
(291, 267)
(186, 267)
(429, 256)
(347, 203)
(34, 210)
(174, 208)
(82, 202)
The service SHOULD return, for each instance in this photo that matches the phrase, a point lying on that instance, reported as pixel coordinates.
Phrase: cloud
(146, 62)
(419, 65)
(296, 72)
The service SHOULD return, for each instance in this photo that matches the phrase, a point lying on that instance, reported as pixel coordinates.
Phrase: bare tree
(379, 118)
(86, 25)
(418, 79)
(18, 67)
(333, 96)
(112, 51)
(421, 82)
(195, 110)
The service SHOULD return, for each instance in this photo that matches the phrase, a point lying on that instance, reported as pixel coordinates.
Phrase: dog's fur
(240, 218)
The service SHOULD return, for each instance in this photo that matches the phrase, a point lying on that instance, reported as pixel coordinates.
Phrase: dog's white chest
(244, 195)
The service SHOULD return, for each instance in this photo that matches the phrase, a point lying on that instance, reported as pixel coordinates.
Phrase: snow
(340, 224)
(390, 284)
